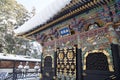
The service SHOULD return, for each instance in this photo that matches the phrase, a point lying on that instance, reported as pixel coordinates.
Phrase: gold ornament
(61, 56)
(70, 55)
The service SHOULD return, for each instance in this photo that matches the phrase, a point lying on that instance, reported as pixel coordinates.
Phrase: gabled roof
(66, 11)
(45, 14)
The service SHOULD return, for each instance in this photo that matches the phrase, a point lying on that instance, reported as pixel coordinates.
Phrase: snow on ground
(4, 56)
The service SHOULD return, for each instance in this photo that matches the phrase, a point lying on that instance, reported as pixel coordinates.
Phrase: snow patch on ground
(4, 56)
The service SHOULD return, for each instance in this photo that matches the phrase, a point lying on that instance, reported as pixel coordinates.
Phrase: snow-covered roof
(51, 8)
(17, 57)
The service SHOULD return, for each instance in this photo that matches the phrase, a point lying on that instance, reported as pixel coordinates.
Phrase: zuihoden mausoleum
(80, 42)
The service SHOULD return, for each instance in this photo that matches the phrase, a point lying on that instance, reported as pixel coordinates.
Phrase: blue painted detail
(64, 31)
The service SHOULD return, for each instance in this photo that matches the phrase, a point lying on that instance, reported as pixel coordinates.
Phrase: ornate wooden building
(81, 42)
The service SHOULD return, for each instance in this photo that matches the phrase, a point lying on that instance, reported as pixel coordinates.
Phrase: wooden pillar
(41, 71)
(14, 70)
(79, 65)
(116, 60)
(55, 65)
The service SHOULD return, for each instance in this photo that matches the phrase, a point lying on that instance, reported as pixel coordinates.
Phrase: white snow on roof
(51, 8)
(17, 57)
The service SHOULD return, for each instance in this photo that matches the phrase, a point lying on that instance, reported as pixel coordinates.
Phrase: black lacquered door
(97, 67)
(48, 71)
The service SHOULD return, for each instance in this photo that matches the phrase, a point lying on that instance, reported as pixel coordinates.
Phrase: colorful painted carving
(93, 19)
(93, 32)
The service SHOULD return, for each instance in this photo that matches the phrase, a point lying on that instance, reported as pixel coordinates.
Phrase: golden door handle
(47, 74)
(112, 77)
(84, 74)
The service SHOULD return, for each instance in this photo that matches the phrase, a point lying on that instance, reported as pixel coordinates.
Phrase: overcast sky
(29, 4)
